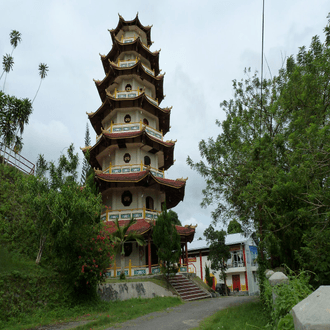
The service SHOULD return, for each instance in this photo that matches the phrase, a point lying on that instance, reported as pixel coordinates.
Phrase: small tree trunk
(225, 280)
(122, 263)
(41, 248)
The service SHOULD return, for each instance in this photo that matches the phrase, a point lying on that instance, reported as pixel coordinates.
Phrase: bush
(208, 278)
(287, 296)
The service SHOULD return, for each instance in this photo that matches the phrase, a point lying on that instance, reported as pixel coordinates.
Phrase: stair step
(187, 289)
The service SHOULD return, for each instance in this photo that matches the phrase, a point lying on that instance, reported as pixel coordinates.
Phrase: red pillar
(201, 264)
(149, 254)
(186, 246)
(246, 279)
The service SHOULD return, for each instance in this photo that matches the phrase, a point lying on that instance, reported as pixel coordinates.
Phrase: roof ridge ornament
(85, 148)
(171, 141)
(191, 226)
(182, 179)
(89, 113)
(97, 171)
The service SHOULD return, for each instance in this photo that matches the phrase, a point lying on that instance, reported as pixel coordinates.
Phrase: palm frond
(15, 38)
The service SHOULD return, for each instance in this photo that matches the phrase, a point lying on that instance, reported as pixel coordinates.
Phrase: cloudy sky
(204, 46)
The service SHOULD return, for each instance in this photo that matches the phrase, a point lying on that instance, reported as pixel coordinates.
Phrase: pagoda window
(127, 119)
(126, 198)
(149, 203)
(145, 121)
(147, 160)
(128, 87)
(127, 158)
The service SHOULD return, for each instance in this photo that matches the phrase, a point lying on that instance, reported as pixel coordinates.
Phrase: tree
(67, 216)
(122, 235)
(86, 168)
(167, 240)
(43, 69)
(218, 251)
(8, 60)
(174, 218)
(234, 227)
(14, 115)
(268, 166)
(208, 278)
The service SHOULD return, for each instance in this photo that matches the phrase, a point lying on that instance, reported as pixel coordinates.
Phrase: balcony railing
(129, 63)
(131, 94)
(235, 264)
(13, 158)
(131, 270)
(135, 126)
(133, 168)
(126, 40)
(126, 214)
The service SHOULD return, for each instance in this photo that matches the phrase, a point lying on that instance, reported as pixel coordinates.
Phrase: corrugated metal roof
(230, 239)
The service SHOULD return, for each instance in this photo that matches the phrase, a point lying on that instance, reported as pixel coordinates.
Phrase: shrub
(287, 296)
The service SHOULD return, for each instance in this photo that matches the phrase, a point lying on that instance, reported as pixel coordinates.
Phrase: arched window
(127, 119)
(127, 158)
(145, 121)
(149, 203)
(147, 160)
(126, 198)
(128, 87)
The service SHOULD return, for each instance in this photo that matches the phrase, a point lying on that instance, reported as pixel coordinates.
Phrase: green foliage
(269, 165)
(167, 240)
(23, 292)
(174, 217)
(248, 316)
(86, 168)
(122, 235)
(17, 228)
(14, 115)
(218, 251)
(208, 278)
(67, 218)
(234, 227)
(287, 296)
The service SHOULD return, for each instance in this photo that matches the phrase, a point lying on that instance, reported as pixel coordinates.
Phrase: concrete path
(183, 317)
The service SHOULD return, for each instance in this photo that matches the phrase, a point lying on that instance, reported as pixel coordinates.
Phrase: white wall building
(242, 265)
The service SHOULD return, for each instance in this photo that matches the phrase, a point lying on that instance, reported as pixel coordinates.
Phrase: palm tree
(7, 65)
(15, 38)
(8, 60)
(120, 237)
(43, 69)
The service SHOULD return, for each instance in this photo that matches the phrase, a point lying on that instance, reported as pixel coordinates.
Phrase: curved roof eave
(135, 21)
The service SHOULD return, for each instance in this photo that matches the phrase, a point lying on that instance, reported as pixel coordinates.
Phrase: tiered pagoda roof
(140, 101)
(174, 189)
(143, 227)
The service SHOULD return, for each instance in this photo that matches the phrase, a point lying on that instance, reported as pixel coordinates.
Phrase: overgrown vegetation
(287, 296)
(167, 240)
(248, 316)
(269, 165)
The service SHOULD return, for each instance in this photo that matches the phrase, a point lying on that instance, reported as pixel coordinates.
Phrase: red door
(236, 283)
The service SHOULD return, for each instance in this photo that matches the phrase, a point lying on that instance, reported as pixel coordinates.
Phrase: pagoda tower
(130, 155)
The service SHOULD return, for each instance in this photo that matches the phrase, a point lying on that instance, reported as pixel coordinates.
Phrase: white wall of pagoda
(113, 198)
(135, 155)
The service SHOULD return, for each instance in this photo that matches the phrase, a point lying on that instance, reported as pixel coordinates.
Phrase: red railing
(10, 157)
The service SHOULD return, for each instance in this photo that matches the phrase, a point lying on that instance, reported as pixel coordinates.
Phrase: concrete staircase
(187, 289)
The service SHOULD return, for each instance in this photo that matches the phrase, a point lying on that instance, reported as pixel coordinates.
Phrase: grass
(10, 262)
(247, 316)
(98, 315)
